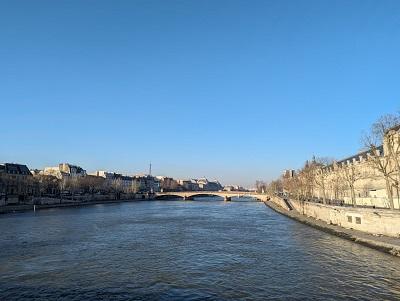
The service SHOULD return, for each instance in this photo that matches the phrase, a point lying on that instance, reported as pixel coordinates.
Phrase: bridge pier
(227, 198)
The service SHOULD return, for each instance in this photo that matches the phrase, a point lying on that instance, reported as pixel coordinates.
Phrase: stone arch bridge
(226, 195)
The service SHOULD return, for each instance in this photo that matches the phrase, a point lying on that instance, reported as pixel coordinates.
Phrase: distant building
(126, 183)
(15, 169)
(203, 183)
(146, 184)
(229, 188)
(214, 186)
(104, 174)
(115, 181)
(129, 184)
(110, 180)
(188, 185)
(206, 185)
(289, 173)
(16, 183)
(167, 184)
(369, 184)
(65, 170)
(234, 188)
(366, 178)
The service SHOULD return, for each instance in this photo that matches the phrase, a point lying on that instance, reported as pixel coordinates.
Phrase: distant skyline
(230, 90)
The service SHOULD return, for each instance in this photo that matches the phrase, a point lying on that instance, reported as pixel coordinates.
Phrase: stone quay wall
(37, 203)
(87, 198)
(280, 202)
(369, 220)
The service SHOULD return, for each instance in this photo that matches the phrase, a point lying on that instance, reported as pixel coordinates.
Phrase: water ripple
(175, 250)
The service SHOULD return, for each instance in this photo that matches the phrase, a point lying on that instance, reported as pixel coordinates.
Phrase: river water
(205, 249)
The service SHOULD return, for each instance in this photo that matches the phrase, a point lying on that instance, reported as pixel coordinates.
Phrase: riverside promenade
(390, 245)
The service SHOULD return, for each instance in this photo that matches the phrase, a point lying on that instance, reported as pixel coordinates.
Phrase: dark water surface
(176, 250)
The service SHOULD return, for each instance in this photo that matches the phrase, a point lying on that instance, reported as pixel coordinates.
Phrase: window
(349, 219)
(358, 220)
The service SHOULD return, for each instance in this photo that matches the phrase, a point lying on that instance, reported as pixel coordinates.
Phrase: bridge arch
(202, 194)
(160, 196)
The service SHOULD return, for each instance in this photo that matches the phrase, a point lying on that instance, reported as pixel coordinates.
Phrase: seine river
(184, 250)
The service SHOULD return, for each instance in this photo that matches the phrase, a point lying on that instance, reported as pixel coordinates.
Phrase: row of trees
(328, 179)
(93, 184)
(47, 185)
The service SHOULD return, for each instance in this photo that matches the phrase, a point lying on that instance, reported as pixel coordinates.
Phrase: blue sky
(234, 90)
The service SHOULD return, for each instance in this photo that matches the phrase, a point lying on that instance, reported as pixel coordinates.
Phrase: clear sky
(234, 90)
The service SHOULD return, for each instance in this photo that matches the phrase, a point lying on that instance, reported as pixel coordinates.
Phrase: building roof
(13, 168)
(362, 154)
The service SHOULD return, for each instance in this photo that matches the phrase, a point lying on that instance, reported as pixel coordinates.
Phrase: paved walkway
(385, 244)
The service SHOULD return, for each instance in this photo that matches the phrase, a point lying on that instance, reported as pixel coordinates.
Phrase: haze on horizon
(232, 90)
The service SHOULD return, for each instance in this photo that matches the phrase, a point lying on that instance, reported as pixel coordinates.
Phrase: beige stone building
(368, 178)
(65, 170)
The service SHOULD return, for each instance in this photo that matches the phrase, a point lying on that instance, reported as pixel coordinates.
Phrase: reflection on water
(174, 250)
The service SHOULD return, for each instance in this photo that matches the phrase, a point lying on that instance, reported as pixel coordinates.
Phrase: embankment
(47, 203)
(369, 227)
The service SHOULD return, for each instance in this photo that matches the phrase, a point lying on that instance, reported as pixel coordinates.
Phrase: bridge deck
(225, 194)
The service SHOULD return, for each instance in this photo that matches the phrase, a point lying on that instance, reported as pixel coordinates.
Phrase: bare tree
(48, 184)
(116, 185)
(63, 184)
(261, 186)
(306, 180)
(383, 157)
(136, 185)
(391, 146)
(293, 185)
(275, 187)
(350, 174)
(91, 184)
(335, 183)
(320, 168)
